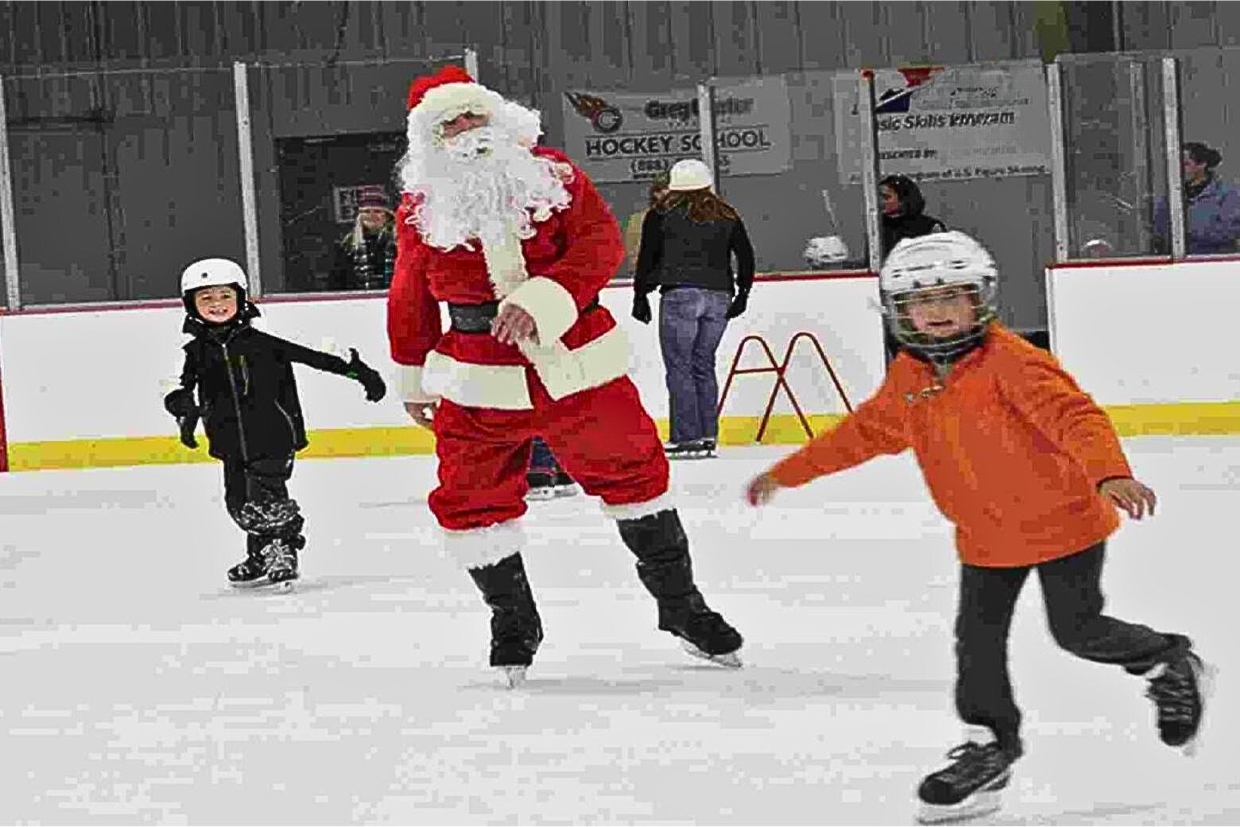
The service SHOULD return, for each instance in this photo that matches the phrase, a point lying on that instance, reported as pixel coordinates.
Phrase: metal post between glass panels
(8, 223)
(706, 129)
(1175, 183)
(471, 64)
(869, 168)
(1059, 174)
(249, 198)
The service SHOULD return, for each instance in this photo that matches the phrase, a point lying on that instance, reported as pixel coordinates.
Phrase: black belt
(477, 318)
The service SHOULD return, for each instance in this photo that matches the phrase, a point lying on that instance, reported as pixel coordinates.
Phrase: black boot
(282, 554)
(1179, 684)
(253, 568)
(516, 628)
(664, 567)
(971, 786)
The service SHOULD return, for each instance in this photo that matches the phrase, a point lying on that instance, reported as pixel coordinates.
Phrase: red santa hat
(451, 91)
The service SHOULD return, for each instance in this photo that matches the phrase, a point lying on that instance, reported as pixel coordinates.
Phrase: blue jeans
(691, 323)
(541, 459)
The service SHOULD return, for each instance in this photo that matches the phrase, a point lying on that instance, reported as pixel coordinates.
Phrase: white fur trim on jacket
(635, 511)
(409, 381)
(552, 307)
(451, 99)
(478, 547)
(501, 387)
(504, 387)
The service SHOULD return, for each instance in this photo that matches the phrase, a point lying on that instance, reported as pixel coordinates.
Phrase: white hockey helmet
(931, 262)
(823, 251)
(212, 272)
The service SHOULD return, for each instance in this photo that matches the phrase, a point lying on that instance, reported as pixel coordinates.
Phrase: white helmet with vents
(212, 272)
(928, 264)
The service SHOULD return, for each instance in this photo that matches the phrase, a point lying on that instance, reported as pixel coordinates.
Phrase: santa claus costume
(488, 221)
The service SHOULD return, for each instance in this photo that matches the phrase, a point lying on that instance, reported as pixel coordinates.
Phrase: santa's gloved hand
(359, 371)
(738, 305)
(641, 308)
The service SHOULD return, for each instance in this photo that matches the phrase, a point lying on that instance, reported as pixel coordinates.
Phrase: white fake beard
(483, 185)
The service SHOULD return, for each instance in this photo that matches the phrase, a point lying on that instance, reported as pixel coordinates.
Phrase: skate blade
(979, 804)
(514, 675)
(732, 660)
(1205, 688)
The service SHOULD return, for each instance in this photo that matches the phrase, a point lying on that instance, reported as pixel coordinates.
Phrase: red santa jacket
(572, 256)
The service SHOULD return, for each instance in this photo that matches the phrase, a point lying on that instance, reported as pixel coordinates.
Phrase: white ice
(138, 687)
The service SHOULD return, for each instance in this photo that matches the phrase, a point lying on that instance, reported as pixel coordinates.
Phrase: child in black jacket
(247, 399)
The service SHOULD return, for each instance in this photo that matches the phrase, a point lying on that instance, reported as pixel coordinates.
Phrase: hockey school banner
(623, 136)
(949, 122)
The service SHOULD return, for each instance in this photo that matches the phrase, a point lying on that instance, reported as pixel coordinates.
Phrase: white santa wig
(459, 199)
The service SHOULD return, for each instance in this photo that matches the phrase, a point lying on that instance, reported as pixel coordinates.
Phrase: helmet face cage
(982, 295)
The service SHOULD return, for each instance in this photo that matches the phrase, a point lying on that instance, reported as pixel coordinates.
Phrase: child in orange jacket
(1028, 468)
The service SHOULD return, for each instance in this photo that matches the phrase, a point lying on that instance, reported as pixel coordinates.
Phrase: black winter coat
(679, 252)
(911, 221)
(247, 393)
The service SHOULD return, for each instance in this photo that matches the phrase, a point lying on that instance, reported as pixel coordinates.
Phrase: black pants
(260, 480)
(1073, 597)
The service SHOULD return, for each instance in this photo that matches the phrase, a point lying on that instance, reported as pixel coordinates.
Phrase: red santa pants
(602, 436)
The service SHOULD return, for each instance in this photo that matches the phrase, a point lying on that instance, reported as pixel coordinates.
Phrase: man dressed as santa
(518, 243)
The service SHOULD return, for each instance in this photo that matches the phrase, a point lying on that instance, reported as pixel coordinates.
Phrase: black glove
(359, 371)
(641, 308)
(738, 305)
(180, 403)
(188, 424)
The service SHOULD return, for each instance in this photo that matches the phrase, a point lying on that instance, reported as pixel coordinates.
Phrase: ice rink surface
(139, 687)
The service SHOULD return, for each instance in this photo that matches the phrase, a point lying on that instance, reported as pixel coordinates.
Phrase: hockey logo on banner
(949, 122)
(622, 136)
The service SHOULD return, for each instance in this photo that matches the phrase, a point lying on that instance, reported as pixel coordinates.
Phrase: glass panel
(1210, 117)
(121, 179)
(1114, 139)
(321, 135)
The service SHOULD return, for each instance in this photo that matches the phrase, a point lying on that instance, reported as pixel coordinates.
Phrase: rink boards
(83, 387)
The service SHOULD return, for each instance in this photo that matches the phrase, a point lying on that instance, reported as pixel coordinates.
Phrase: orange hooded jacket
(1013, 451)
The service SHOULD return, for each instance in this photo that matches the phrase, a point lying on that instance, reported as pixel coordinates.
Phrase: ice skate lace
(1173, 692)
(972, 762)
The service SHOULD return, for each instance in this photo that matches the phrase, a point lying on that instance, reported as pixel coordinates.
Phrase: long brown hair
(704, 205)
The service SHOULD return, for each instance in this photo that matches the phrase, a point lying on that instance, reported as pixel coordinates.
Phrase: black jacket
(679, 252)
(247, 394)
(911, 221)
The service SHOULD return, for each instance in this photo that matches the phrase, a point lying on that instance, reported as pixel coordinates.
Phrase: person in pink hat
(366, 255)
(518, 242)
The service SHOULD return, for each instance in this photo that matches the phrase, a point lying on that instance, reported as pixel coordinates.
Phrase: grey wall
(143, 167)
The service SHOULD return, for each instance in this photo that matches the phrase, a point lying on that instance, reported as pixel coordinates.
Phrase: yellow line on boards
(1197, 419)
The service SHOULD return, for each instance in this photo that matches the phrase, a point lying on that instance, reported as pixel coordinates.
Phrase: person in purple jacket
(1211, 206)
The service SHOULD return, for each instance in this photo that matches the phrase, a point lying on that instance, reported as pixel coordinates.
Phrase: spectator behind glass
(366, 255)
(903, 214)
(687, 244)
(1211, 206)
(903, 209)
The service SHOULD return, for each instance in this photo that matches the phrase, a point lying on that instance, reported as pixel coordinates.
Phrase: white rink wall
(1148, 334)
(102, 373)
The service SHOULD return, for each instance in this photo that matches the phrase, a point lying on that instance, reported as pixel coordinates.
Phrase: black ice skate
(1179, 688)
(541, 486)
(516, 628)
(282, 568)
(971, 787)
(564, 485)
(665, 569)
(248, 571)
